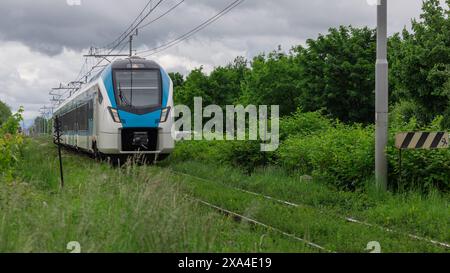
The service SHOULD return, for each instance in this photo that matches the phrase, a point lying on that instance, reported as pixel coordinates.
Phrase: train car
(126, 109)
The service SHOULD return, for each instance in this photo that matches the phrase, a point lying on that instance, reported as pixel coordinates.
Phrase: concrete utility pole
(381, 97)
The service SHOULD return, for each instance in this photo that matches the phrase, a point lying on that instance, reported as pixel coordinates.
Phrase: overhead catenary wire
(83, 66)
(129, 30)
(121, 40)
(193, 31)
(120, 51)
(162, 15)
(83, 75)
(110, 45)
(136, 25)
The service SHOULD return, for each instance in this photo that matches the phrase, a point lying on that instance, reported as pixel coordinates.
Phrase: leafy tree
(196, 85)
(273, 80)
(5, 112)
(177, 79)
(221, 87)
(225, 82)
(421, 66)
(337, 73)
(12, 124)
(178, 82)
(11, 144)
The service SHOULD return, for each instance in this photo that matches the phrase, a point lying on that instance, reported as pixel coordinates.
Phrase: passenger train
(126, 109)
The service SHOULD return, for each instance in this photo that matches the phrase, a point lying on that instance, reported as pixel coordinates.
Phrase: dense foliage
(335, 73)
(221, 87)
(5, 112)
(421, 62)
(10, 144)
(272, 80)
(342, 155)
(325, 91)
(418, 169)
(334, 153)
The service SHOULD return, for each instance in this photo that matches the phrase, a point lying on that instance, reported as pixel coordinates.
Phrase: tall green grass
(129, 209)
(322, 227)
(411, 212)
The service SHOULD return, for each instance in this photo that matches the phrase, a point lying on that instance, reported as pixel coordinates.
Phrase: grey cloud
(48, 25)
(58, 34)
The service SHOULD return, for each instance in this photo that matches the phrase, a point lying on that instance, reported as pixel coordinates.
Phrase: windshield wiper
(122, 98)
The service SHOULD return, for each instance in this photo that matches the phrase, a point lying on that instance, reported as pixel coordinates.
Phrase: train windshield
(138, 88)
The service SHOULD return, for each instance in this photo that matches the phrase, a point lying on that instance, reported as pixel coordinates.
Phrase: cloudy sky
(42, 41)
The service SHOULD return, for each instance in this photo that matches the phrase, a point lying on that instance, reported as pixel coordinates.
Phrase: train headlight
(164, 114)
(114, 114)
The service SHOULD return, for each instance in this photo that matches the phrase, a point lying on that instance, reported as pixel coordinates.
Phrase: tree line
(335, 73)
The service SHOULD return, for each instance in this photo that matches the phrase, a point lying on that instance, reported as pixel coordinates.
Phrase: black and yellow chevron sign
(422, 140)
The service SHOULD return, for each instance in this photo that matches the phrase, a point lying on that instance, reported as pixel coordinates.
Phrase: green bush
(5, 112)
(342, 156)
(420, 169)
(405, 111)
(445, 123)
(211, 151)
(246, 155)
(10, 145)
(301, 123)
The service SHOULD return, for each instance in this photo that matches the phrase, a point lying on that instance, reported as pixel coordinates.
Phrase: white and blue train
(125, 110)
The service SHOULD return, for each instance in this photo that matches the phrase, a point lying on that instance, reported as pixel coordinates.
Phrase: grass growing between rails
(423, 215)
(106, 209)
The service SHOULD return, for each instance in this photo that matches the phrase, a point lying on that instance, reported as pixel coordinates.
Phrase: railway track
(258, 223)
(291, 204)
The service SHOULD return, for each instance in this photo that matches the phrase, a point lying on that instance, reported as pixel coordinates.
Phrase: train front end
(139, 115)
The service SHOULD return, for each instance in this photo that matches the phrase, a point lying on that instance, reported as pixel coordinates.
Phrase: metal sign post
(419, 141)
(381, 98)
(58, 142)
(422, 140)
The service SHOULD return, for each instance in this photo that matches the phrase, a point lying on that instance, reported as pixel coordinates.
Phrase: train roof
(134, 62)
